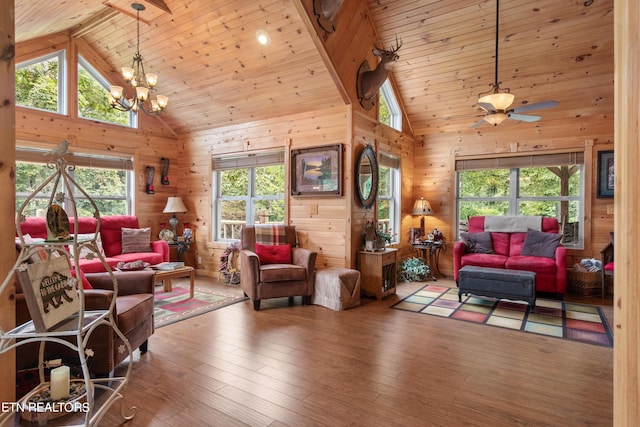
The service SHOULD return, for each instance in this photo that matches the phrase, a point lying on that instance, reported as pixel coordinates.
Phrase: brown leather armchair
(133, 314)
(263, 281)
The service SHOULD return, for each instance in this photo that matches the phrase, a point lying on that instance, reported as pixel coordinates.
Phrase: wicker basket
(584, 283)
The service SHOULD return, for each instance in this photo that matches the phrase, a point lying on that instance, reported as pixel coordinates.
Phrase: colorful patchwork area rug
(174, 306)
(576, 322)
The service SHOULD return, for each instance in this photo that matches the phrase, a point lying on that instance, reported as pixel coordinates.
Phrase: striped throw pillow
(136, 240)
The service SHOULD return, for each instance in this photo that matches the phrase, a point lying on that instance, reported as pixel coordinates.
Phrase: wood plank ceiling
(548, 49)
(209, 63)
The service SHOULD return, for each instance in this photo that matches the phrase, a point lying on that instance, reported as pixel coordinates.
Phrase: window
(40, 83)
(249, 190)
(388, 108)
(92, 97)
(108, 180)
(389, 195)
(546, 185)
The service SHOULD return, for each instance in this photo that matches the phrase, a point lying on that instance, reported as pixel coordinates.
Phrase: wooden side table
(378, 272)
(182, 252)
(430, 251)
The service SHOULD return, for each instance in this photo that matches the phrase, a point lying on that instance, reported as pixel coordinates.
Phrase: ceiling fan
(496, 102)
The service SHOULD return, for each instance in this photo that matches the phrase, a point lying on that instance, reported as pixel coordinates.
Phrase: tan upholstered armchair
(271, 269)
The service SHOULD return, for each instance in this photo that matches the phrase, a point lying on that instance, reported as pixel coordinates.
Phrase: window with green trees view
(41, 84)
(109, 187)
(388, 107)
(92, 97)
(389, 195)
(249, 190)
(544, 189)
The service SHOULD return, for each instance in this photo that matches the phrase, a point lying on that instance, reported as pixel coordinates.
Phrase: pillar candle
(59, 383)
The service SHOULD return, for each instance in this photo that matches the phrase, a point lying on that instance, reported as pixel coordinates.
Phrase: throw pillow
(479, 243)
(84, 251)
(539, 243)
(273, 254)
(136, 240)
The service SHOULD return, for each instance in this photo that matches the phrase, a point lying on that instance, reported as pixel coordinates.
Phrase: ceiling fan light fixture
(495, 118)
(500, 100)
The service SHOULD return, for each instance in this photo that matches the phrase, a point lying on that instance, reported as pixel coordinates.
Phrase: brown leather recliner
(260, 281)
(133, 314)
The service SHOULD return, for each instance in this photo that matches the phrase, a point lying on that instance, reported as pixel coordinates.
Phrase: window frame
(395, 114)
(514, 164)
(394, 198)
(250, 162)
(82, 160)
(61, 56)
(82, 62)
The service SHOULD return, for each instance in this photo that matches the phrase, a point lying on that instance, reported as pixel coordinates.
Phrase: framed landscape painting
(317, 171)
(606, 177)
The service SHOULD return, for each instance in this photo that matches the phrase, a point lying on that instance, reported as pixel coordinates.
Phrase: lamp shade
(422, 207)
(174, 204)
(500, 100)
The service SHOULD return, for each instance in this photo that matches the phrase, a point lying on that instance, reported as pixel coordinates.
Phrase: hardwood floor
(367, 366)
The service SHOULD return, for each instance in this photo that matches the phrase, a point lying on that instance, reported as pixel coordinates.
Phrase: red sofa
(110, 236)
(551, 273)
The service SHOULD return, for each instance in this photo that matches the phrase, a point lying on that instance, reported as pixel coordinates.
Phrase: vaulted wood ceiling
(215, 73)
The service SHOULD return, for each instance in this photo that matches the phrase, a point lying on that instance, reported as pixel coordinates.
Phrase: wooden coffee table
(167, 275)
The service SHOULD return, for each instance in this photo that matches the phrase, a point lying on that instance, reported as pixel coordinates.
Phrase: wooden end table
(167, 275)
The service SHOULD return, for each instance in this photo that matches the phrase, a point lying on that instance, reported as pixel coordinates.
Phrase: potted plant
(413, 270)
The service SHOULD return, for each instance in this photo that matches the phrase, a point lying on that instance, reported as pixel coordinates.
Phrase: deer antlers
(369, 81)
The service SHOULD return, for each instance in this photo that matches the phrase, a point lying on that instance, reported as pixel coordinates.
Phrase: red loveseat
(110, 237)
(551, 273)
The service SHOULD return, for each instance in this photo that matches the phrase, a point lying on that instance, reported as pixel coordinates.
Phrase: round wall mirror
(367, 177)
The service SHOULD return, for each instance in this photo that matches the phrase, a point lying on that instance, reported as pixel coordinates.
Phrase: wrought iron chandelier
(139, 85)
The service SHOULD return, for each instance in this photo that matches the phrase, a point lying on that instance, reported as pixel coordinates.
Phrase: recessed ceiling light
(263, 37)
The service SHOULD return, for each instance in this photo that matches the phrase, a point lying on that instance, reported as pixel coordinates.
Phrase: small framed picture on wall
(606, 177)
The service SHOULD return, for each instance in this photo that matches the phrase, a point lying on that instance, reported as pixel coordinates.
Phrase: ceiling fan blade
(523, 118)
(478, 123)
(487, 107)
(536, 106)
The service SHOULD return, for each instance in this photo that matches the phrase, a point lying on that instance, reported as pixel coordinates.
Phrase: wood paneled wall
(435, 157)
(325, 231)
(7, 181)
(387, 140)
(146, 145)
(626, 351)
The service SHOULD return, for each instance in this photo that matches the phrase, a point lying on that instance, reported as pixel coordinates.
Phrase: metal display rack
(74, 331)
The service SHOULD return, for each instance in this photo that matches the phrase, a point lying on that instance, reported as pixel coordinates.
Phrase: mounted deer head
(369, 81)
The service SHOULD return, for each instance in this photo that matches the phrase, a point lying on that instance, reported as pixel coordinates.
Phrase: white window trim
(393, 163)
(33, 155)
(133, 118)
(392, 103)
(513, 164)
(250, 162)
(62, 78)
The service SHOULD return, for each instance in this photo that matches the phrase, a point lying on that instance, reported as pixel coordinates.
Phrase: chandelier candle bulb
(116, 92)
(59, 383)
(162, 101)
(127, 73)
(152, 79)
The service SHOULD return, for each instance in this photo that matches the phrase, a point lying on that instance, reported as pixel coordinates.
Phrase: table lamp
(174, 205)
(422, 207)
